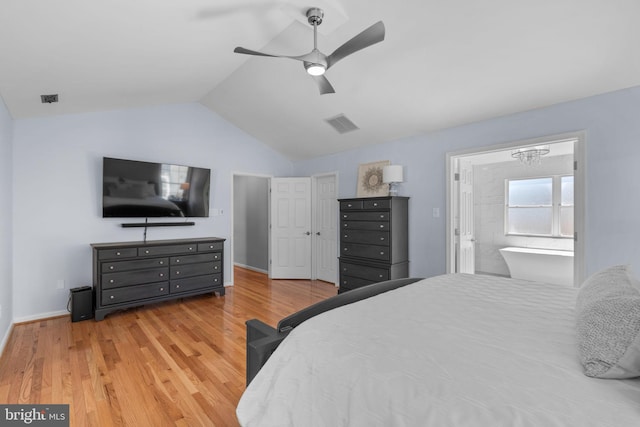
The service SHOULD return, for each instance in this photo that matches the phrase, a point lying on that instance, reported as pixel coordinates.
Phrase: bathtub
(540, 265)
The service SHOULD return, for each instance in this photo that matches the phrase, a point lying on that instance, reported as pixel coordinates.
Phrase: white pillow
(608, 324)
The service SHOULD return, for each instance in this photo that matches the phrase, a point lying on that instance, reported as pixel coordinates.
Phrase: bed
(452, 350)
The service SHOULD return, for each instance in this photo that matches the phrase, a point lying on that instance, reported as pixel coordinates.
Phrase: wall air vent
(342, 124)
(48, 99)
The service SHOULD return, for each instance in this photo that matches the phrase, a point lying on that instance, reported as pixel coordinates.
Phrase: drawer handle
(375, 204)
(111, 281)
(381, 253)
(216, 256)
(161, 262)
(177, 286)
(346, 225)
(147, 251)
(178, 260)
(190, 248)
(161, 274)
(349, 204)
(111, 267)
(210, 246)
(111, 297)
(162, 289)
(117, 253)
(177, 273)
(215, 280)
(382, 216)
(346, 236)
(215, 268)
(380, 276)
(381, 225)
(346, 249)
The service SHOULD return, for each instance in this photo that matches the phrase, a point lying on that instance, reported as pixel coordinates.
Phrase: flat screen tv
(135, 189)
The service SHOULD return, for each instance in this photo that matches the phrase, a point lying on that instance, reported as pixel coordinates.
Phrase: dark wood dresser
(374, 240)
(129, 274)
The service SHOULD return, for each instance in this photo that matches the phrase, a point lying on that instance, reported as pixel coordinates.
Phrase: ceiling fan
(316, 62)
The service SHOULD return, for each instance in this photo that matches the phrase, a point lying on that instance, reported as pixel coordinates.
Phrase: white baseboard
(5, 339)
(249, 267)
(41, 316)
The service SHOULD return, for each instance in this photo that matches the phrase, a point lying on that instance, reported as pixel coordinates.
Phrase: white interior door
(326, 228)
(466, 235)
(290, 234)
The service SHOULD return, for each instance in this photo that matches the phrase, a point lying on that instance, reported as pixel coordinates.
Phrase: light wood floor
(178, 363)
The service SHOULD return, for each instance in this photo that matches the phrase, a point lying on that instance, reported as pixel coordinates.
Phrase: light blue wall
(56, 166)
(6, 222)
(612, 127)
(57, 188)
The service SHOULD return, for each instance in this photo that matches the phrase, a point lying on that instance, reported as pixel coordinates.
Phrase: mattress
(453, 350)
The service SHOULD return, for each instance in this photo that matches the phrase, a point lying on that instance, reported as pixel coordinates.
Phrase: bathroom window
(540, 206)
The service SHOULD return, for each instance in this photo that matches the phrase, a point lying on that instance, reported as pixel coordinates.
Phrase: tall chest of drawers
(374, 240)
(130, 274)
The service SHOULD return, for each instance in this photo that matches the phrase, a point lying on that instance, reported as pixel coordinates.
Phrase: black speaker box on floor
(81, 303)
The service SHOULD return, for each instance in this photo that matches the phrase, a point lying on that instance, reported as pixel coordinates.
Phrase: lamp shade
(392, 173)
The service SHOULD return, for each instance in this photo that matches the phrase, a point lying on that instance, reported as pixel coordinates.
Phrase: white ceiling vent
(342, 124)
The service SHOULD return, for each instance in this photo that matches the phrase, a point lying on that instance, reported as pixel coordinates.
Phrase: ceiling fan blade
(372, 35)
(324, 85)
(305, 57)
(255, 52)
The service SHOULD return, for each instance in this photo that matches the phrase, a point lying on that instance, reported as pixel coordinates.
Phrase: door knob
(308, 233)
(317, 233)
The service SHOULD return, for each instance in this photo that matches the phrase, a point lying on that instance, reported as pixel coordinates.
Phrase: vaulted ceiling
(442, 63)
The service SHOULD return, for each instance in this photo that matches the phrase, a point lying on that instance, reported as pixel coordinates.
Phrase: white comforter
(449, 351)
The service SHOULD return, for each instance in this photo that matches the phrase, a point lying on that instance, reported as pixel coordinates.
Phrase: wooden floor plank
(177, 363)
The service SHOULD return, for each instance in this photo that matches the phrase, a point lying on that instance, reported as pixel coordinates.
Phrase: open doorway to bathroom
(504, 205)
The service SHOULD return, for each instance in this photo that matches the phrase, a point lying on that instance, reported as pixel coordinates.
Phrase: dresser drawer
(348, 282)
(115, 266)
(364, 225)
(189, 270)
(350, 204)
(363, 236)
(128, 278)
(105, 254)
(376, 204)
(365, 251)
(133, 293)
(212, 246)
(191, 259)
(364, 216)
(364, 271)
(167, 250)
(186, 285)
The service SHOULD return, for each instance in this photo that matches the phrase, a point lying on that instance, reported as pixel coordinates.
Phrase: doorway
(478, 224)
(253, 241)
(250, 225)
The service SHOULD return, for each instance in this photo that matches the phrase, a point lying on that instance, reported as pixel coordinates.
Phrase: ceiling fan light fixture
(315, 69)
(316, 62)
